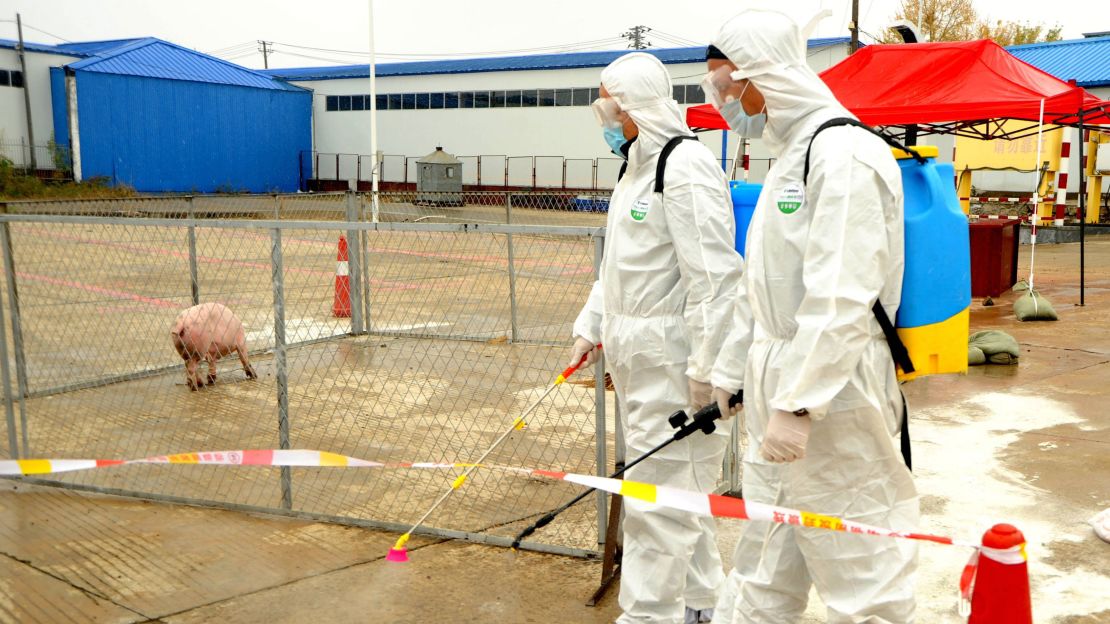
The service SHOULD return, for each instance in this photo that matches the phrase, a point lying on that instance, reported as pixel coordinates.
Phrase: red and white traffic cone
(997, 577)
(342, 306)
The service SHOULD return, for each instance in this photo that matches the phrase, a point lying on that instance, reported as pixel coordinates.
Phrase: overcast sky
(439, 28)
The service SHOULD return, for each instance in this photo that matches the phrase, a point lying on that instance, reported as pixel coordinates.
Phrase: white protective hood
(641, 85)
(769, 48)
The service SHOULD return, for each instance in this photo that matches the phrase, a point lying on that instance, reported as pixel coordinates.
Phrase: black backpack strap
(907, 455)
(901, 357)
(624, 152)
(661, 166)
(898, 350)
(848, 121)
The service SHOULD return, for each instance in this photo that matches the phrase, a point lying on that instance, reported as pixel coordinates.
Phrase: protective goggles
(607, 112)
(717, 84)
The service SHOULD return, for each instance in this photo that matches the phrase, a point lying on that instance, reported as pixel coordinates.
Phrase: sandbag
(975, 356)
(992, 346)
(1033, 307)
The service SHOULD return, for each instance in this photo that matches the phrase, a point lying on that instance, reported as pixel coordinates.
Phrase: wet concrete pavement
(1029, 444)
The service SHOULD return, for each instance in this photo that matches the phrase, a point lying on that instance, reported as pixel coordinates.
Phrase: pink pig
(209, 331)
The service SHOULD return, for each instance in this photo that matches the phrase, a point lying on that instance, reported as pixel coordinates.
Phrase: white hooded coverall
(819, 255)
(661, 306)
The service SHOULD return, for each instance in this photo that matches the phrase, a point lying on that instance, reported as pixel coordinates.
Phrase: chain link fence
(455, 325)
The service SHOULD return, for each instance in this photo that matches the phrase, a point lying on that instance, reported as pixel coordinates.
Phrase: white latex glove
(583, 347)
(701, 393)
(722, 397)
(785, 439)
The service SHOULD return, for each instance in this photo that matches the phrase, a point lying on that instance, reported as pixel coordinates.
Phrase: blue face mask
(614, 136)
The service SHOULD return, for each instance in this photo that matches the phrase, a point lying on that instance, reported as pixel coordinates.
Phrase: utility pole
(854, 27)
(265, 47)
(635, 36)
(26, 92)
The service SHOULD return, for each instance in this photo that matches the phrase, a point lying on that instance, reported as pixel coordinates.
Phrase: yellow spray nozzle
(401, 541)
(519, 424)
(560, 379)
(458, 482)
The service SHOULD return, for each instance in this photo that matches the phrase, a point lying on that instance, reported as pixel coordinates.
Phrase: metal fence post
(599, 415)
(354, 251)
(278, 279)
(515, 330)
(17, 333)
(365, 261)
(277, 206)
(193, 274)
(5, 371)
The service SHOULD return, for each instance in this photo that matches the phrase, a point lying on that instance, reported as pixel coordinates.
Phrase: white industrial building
(506, 110)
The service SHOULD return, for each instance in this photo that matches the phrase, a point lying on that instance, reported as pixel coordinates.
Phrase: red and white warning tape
(694, 502)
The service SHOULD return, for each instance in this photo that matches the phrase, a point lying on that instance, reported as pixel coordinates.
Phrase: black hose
(703, 421)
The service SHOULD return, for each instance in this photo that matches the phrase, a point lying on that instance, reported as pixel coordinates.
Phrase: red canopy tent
(964, 87)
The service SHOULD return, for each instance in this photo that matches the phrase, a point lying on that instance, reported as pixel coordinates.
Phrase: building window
(679, 92)
(17, 78)
(450, 172)
(694, 94)
(332, 103)
(526, 98)
(5, 79)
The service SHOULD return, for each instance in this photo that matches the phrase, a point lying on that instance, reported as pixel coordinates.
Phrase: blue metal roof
(89, 48)
(1087, 61)
(154, 58)
(567, 60)
(35, 47)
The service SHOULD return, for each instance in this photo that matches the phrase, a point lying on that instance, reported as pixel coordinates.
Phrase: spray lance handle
(703, 419)
(571, 369)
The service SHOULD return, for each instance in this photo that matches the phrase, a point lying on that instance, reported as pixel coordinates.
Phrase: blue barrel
(744, 198)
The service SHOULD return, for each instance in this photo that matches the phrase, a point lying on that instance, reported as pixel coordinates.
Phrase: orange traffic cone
(999, 587)
(342, 306)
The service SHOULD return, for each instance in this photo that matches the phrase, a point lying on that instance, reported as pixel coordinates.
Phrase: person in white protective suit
(661, 307)
(821, 402)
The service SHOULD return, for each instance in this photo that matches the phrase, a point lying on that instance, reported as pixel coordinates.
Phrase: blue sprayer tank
(936, 284)
(744, 198)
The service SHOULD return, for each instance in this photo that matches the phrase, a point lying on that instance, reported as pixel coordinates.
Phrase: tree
(1014, 33)
(958, 20)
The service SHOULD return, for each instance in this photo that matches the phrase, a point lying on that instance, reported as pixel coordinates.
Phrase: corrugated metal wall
(172, 135)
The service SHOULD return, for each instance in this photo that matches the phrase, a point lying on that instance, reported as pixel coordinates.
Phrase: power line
(231, 49)
(26, 25)
(676, 38)
(551, 48)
